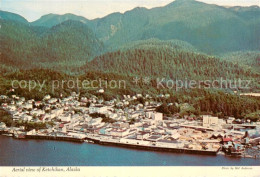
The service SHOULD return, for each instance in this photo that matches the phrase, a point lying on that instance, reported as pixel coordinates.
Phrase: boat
(8, 134)
(232, 151)
(19, 136)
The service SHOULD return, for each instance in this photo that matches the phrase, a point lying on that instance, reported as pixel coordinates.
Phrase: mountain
(18, 44)
(249, 13)
(210, 28)
(168, 62)
(69, 43)
(12, 16)
(63, 41)
(51, 20)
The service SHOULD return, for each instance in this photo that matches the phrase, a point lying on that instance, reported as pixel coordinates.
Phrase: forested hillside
(170, 63)
(67, 44)
(247, 59)
(210, 28)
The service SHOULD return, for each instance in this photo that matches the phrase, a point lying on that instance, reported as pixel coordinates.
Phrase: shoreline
(132, 146)
(120, 144)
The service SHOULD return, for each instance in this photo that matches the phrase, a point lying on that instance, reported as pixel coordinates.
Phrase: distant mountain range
(65, 41)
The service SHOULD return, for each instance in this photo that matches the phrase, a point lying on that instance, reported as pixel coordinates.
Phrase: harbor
(33, 152)
(127, 124)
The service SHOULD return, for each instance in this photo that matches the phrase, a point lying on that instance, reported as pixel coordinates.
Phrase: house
(57, 112)
(28, 106)
(38, 103)
(209, 121)
(142, 135)
(3, 97)
(95, 122)
(4, 105)
(12, 108)
(139, 95)
(121, 125)
(157, 116)
(19, 103)
(49, 116)
(26, 117)
(65, 117)
(47, 97)
(134, 115)
(154, 138)
(98, 109)
(105, 131)
(13, 96)
(53, 100)
(88, 118)
(62, 128)
(119, 132)
(230, 120)
(120, 104)
(84, 99)
(2, 125)
(167, 95)
(154, 115)
(37, 112)
(101, 91)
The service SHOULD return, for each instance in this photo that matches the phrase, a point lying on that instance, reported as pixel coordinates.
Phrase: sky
(34, 9)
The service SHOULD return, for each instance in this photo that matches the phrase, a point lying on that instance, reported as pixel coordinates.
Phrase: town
(127, 122)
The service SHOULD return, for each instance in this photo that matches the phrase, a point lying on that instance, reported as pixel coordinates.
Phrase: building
(119, 132)
(65, 117)
(98, 109)
(154, 115)
(157, 116)
(142, 135)
(2, 125)
(209, 121)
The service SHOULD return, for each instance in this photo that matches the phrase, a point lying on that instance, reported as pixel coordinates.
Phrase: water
(15, 152)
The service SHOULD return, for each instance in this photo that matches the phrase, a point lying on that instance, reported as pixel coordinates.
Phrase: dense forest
(170, 63)
(70, 43)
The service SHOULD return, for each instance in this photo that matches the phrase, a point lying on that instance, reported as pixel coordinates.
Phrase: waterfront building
(209, 121)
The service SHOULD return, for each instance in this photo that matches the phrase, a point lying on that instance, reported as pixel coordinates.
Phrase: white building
(2, 125)
(157, 116)
(57, 112)
(47, 97)
(65, 117)
(28, 106)
(119, 132)
(209, 121)
(230, 120)
(98, 109)
(37, 112)
(95, 122)
(26, 117)
(53, 100)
